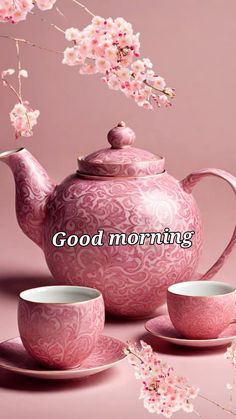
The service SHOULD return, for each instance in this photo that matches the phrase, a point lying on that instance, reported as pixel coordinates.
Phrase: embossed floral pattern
(133, 279)
(107, 352)
(60, 335)
(33, 187)
(201, 317)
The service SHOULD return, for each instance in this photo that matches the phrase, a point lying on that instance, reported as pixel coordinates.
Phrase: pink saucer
(162, 327)
(108, 352)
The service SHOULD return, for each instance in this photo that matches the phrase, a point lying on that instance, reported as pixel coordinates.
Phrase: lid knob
(121, 136)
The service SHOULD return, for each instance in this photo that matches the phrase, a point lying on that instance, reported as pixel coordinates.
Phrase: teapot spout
(33, 187)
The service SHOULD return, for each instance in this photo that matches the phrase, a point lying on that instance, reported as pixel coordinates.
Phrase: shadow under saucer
(168, 348)
(11, 381)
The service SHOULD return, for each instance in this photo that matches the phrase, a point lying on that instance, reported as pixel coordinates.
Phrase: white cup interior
(60, 294)
(201, 288)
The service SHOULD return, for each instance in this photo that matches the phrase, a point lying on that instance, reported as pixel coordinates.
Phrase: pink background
(192, 44)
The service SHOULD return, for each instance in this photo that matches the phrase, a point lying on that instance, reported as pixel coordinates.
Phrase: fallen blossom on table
(163, 392)
(230, 354)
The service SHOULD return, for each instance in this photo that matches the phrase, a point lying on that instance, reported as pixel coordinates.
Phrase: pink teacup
(201, 309)
(60, 325)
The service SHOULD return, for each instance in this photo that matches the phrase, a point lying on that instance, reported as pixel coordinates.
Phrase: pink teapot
(121, 191)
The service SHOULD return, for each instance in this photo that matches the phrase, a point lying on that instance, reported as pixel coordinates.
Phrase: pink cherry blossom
(169, 92)
(163, 392)
(98, 21)
(72, 34)
(111, 53)
(102, 65)
(83, 49)
(110, 47)
(163, 99)
(88, 68)
(45, 4)
(23, 73)
(123, 74)
(138, 66)
(8, 72)
(147, 105)
(22, 116)
(71, 57)
(147, 63)
(114, 83)
(15, 11)
(159, 83)
(23, 119)
(231, 353)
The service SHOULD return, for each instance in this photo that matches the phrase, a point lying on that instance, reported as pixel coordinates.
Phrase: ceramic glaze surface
(33, 186)
(133, 279)
(121, 194)
(107, 352)
(201, 317)
(121, 159)
(60, 335)
(162, 327)
(132, 168)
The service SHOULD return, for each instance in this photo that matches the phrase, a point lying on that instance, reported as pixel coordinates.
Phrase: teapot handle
(187, 184)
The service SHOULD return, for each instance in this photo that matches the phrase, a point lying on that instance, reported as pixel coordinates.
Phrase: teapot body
(132, 278)
(120, 191)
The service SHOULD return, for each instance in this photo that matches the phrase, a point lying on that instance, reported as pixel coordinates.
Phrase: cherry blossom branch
(9, 85)
(198, 414)
(19, 67)
(217, 405)
(15, 11)
(155, 374)
(166, 91)
(50, 24)
(231, 356)
(83, 7)
(106, 46)
(59, 11)
(32, 44)
(22, 116)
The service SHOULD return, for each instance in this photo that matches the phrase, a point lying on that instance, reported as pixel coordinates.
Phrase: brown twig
(83, 7)
(59, 11)
(19, 66)
(155, 88)
(198, 414)
(217, 404)
(12, 89)
(50, 24)
(32, 44)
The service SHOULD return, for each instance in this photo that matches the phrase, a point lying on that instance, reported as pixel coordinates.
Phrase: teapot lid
(121, 159)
